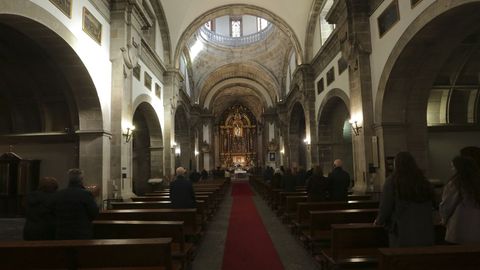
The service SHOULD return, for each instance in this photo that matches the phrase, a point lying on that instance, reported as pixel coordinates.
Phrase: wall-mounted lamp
(128, 133)
(355, 127)
(196, 153)
(306, 141)
(282, 151)
(177, 151)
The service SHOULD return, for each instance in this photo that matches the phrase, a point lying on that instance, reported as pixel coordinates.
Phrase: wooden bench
(210, 203)
(319, 233)
(466, 257)
(354, 246)
(201, 207)
(127, 229)
(188, 216)
(153, 253)
(301, 220)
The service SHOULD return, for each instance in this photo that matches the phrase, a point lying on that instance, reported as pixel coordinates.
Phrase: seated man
(181, 191)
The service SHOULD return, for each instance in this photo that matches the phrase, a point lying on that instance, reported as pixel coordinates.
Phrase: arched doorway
(428, 97)
(147, 148)
(182, 150)
(296, 137)
(48, 101)
(335, 134)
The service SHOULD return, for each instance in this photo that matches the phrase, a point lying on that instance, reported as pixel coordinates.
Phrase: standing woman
(460, 206)
(406, 205)
(40, 221)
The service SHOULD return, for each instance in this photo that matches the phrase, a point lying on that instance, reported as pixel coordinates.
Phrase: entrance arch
(296, 135)
(334, 131)
(51, 102)
(415, 67)
(147, 148)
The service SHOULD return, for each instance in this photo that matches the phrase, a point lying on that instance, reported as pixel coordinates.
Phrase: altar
(237, 137)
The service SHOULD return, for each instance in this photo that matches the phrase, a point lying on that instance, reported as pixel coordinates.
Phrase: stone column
(356, 48)
(125, 38)
(172, 83)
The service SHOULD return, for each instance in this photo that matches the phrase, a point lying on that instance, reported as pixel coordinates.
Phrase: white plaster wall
(158, 42)
(249, 24)
(138, 89)
(95, 57)
(443, 147)
(222, 25)
(341, 82)
(382, 47)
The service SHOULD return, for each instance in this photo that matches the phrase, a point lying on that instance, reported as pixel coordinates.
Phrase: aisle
(248, 245)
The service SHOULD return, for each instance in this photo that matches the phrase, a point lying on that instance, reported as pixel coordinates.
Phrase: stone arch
(334, 131)
(147, 147)
(164, 30)
(40, 26)
(297, 133)
(312, 24)
(410, 72)
(87, 134)
(238, 8)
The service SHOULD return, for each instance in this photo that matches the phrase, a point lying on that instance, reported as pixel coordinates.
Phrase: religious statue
(237, 125)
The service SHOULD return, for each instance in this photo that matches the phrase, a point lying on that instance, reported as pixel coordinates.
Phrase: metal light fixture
(355, 127)
(128, 133)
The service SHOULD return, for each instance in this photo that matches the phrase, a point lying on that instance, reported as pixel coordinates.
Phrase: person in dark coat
(195, 176)
(406, 206)
(181, 191)
(339, 182)
(75, 209)
(317, 188)
(40, 218)
(204, 175)
(301, 177)
(289, 181)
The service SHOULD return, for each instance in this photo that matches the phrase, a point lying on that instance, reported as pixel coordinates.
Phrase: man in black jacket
(339, 182)
(181, 191)
(74, 209)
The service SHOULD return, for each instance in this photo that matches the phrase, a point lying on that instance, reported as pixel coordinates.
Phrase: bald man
(181, 191)
(339, 182)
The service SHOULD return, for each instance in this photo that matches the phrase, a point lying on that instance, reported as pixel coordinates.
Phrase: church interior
(236, 92)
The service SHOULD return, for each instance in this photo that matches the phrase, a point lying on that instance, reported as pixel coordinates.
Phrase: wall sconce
(128, 133)
(196, 153)
(355, 127)
(282, 151)
(306, 141)
(177, 151)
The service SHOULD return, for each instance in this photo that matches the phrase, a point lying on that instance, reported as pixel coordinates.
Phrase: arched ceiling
(181, 13)
(246, 96)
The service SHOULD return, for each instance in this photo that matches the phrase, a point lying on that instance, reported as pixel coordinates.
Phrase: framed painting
(65, 6)
(92, 26)
(389, 17)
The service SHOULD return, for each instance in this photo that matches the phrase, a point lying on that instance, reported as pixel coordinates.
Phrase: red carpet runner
(248, 245)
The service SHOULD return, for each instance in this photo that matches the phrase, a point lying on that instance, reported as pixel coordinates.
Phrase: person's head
(472, 152)
(338, 163)
(75, 177)
(410, 182)
(467, 177)
(48, 184)
(180, 171)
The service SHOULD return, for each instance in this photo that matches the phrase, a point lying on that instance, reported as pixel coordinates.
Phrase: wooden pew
(301, 221)
(188, 216)
(210, 203)
(354, 246)
(125, 229)
(319, 234)
(201, 207)
(153, 253)
(465, 257)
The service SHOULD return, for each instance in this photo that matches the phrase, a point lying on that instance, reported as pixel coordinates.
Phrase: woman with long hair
(460, 206)
(406, 205)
